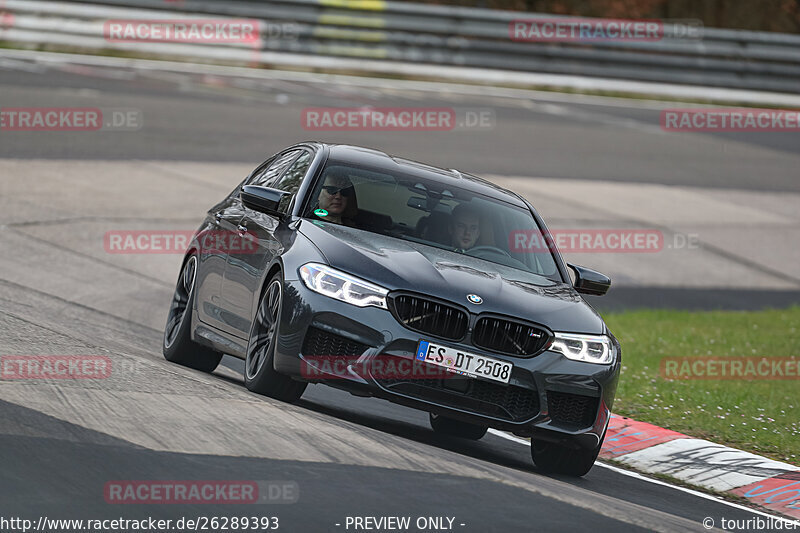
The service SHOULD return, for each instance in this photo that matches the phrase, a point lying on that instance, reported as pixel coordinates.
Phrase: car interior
(406, 208)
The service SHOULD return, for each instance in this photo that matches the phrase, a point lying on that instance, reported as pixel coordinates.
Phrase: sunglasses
(332, 190)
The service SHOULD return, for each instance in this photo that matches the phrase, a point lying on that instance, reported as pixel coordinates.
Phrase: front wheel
(559, 459)
(178, 346)
(456, 428)
(260, 375)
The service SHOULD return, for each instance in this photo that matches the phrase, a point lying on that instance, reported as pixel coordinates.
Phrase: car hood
(403, 265)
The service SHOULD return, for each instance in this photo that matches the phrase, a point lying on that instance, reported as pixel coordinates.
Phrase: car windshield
(428, 212)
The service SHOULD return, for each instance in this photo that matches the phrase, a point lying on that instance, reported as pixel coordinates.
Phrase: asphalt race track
(61, 293)
(584, 162)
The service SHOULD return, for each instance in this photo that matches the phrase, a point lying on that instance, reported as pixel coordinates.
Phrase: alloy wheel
(180, 301)
(265, 330)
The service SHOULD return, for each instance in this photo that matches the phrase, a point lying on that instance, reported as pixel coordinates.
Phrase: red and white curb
(651, 449)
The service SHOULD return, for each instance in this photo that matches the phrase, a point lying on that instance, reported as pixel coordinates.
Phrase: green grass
(760, 416)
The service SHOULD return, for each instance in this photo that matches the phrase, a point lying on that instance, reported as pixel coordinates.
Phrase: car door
(246, 263)
(222, 219)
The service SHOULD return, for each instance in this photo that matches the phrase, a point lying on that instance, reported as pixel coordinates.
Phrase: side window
(291, 180)
(259, 171)
(269, 173)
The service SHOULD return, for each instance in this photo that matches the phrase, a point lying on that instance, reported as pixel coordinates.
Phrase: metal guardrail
(432, 35)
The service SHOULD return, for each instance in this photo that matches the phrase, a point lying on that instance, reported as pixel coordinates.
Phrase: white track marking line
(636, 475)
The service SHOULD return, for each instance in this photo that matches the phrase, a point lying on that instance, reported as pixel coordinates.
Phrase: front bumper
(548, 396)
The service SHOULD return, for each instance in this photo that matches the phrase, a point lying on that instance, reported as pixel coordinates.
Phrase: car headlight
(342, 286)
(587, 348)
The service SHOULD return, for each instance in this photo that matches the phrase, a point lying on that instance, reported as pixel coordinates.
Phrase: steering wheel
(491, 249)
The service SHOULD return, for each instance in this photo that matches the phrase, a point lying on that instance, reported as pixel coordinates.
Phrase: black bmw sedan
(385, 277)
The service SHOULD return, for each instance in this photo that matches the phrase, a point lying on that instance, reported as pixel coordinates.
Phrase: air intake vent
(508, 337)
(572, 409)
(323, 344)
(505, 402)
(429, 316)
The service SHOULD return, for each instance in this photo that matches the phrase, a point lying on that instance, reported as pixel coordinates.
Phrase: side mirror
(263, 199)
(588, 281)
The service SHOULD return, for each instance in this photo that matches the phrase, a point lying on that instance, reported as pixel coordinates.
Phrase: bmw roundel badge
(474, 299)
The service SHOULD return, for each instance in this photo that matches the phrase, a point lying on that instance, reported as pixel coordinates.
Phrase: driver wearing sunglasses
(336, 201)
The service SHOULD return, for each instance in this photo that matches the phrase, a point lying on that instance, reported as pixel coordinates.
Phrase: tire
(556, 459)
(178, 346)
(456, 428)
(260, 375)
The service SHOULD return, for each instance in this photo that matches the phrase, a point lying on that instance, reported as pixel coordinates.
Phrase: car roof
(362, 156)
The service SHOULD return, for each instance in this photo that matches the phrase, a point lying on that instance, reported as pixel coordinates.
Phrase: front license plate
(469, 364)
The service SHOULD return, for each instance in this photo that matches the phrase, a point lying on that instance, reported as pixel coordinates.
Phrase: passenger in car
(465, 227)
